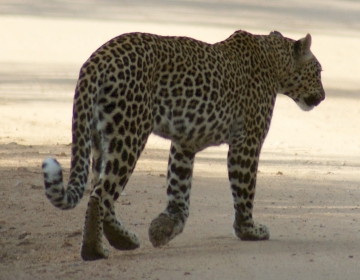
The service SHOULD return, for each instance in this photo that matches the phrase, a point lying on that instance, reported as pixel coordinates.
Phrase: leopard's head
(302, 79)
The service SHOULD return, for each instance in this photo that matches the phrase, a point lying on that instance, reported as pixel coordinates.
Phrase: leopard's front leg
(243, 160)
(172, 220)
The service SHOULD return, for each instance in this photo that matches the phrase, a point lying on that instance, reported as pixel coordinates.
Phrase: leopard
(195, 94)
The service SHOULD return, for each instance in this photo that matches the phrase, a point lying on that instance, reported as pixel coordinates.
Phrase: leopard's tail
(80, 159)
(54, 188)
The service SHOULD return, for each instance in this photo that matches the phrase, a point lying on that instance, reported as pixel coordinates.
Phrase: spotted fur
(193, 93)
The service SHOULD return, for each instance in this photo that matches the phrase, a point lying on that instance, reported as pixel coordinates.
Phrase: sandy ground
(308, 183)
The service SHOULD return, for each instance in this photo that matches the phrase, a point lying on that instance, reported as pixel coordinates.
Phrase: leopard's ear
(302, 46)
(276, 33)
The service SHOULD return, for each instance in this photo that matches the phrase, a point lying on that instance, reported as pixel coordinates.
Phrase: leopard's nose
(312, 100)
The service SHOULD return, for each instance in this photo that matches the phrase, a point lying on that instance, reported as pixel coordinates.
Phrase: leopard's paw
(163, 229)
(119, 237)
(91, 253)
(251, 231)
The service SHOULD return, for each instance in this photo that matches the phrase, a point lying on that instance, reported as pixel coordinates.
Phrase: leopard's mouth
(307, 104)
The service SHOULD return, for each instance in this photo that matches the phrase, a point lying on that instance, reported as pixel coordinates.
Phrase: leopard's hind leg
(117, 167)
(114, 156)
